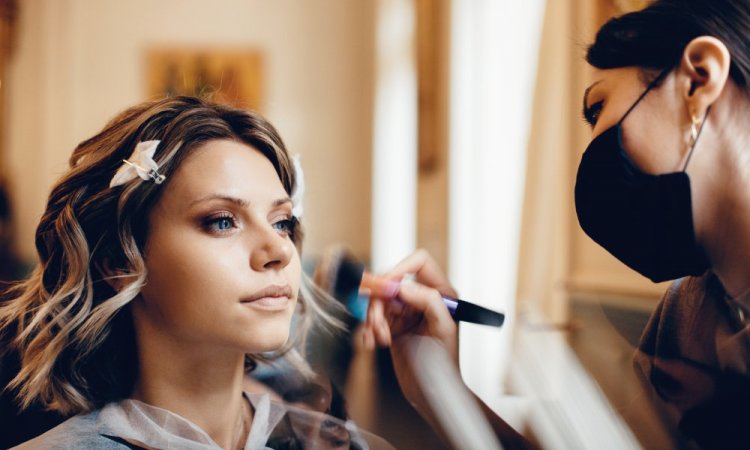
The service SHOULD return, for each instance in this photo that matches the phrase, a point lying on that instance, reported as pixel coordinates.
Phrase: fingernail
(381, 287)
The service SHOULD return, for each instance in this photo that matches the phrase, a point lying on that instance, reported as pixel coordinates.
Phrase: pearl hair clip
(140, 164)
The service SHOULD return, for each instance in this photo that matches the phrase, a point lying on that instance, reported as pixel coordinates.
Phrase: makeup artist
(664, 186)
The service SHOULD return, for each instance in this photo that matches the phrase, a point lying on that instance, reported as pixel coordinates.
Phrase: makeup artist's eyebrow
(586, 97)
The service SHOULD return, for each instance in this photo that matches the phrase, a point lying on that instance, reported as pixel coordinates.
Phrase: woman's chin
(267, 344)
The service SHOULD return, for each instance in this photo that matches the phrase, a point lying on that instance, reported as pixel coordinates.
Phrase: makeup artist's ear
(703, 72)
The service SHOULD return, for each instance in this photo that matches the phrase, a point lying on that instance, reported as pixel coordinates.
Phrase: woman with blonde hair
(169, 267)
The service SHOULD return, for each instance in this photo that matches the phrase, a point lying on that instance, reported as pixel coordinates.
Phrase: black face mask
(645, 221)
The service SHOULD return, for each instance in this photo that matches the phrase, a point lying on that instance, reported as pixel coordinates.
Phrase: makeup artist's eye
(220, 223)
(286, 226)
(591, 113)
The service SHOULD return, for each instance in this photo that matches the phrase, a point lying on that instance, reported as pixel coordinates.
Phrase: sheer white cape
(150, 427)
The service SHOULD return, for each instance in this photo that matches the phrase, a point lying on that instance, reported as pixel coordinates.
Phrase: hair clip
(140, 164)
(299, 187)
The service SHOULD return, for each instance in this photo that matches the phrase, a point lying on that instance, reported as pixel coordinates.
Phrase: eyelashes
(591, 113)
(225, 223)
(287, 226)
(220, 223)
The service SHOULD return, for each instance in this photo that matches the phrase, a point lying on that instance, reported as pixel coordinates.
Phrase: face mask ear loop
(651, 85)
(697, 136)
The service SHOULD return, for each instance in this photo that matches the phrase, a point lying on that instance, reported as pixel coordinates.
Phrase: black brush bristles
(348, 276)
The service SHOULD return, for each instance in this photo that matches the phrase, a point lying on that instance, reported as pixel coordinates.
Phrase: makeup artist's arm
(389, 324)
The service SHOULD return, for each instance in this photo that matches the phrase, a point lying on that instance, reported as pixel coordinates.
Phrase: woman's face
(655, 133)
(222, 268)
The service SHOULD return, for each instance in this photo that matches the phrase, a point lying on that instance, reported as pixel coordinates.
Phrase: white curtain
(494, 48)
(394, 201)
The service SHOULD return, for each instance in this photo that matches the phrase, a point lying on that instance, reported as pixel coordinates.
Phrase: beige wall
(78, 62)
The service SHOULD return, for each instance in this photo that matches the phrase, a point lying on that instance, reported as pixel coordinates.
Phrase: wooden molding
(428, 25)
(8, 14)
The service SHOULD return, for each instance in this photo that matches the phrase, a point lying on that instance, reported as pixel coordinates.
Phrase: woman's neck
(731, 260)
(199, 384)
(720, 185)
(727, 207)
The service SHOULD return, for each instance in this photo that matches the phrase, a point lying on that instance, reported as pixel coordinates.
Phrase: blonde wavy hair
(73, 333)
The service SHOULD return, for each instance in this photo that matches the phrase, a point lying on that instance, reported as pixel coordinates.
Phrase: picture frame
(233, 77)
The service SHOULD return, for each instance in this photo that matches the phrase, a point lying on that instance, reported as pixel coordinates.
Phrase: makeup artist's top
(695, 353)
(130, 424)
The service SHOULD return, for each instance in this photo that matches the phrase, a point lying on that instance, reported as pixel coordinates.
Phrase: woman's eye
(220, 223)
(591, 114)
(286, 226)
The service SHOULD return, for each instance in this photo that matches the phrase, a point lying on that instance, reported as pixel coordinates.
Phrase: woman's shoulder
(291, 426)
(691, 295)
(77, 432)
(698, 285)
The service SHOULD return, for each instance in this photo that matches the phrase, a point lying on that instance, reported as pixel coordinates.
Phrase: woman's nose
(272, 251)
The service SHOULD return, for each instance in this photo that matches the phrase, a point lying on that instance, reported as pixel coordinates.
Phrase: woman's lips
(271, 298)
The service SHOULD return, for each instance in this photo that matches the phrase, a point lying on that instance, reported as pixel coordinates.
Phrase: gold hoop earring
(694, 128)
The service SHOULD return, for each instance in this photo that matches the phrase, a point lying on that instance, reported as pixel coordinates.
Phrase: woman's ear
(111, 276)
(705, 68)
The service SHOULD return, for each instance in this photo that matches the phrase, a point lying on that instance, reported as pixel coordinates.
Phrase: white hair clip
(299, 187)
(140, 164)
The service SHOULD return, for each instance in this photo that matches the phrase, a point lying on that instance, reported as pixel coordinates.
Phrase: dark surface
(18, 427)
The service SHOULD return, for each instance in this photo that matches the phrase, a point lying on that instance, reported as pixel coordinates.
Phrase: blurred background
(449, 125)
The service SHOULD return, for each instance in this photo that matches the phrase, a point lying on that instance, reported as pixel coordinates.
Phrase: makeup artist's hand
(421, 311)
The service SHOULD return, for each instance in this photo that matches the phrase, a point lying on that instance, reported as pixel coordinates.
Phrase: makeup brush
(342, 275)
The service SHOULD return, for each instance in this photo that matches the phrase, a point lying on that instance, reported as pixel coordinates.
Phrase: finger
(429, 302)
(368, 334)
(374, 310)
(425, 269)
(368, 339)
(383, 335)
(394, 309)
(370, 316)
(377, 322)
(437, 321)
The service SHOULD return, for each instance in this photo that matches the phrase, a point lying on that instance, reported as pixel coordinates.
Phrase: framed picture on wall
(624, 6)
(226, 76)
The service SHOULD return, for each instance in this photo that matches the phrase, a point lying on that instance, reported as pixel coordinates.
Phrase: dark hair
(10, 265)
(655, 37)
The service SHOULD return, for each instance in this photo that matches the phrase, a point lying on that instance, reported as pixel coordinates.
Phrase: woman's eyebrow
(238, 201)
(586, 95)
(228, 198)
